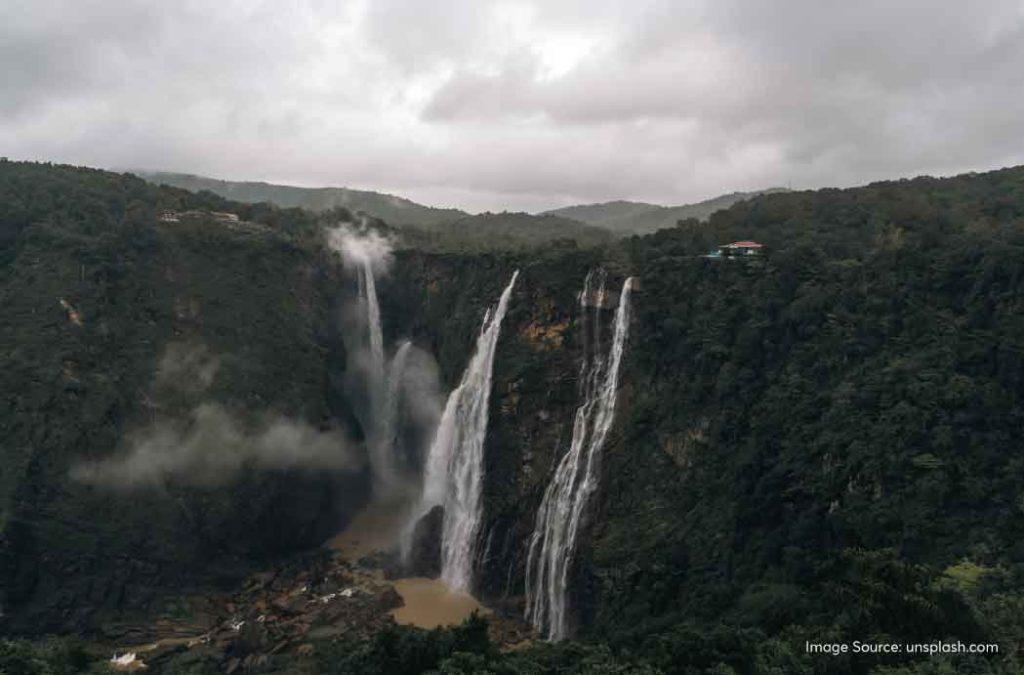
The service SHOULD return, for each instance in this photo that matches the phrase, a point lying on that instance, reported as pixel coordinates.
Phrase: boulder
(425, 549)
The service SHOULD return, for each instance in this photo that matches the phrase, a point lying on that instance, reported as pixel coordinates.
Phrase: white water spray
(553, 542)
(453, 475)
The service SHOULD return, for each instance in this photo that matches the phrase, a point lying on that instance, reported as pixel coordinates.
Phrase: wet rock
(389, 599)
(289, 604)
(425, 550)
(252, 637)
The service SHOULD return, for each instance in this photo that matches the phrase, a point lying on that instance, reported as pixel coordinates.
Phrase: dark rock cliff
(440, 300)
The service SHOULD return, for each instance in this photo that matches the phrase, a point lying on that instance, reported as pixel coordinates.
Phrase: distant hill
(426, 226)
(507, 230)
(390, 208)
(625, 218)
(606, 214)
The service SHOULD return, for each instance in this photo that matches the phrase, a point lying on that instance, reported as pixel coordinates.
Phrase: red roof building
(741, 248)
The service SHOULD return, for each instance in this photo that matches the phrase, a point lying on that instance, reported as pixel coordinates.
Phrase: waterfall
(453, 475)
(372, 382)
(553, 542)
(379, 425)
(368, 296)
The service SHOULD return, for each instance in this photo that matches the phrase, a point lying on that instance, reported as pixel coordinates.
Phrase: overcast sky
(518, 105)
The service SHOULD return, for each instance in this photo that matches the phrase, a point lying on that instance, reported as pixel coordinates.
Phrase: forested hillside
(625, 218)
(819, 444)
(391, 208)
(504, 232)
(116, 322)
(422, 226)
(828, 443)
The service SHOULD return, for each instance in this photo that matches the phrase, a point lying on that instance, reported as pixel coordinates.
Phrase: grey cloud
(492, 105)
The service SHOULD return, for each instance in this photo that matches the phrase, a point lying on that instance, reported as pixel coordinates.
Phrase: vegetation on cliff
(94, 290)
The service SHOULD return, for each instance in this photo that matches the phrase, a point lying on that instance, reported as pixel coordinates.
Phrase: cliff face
(440, 301)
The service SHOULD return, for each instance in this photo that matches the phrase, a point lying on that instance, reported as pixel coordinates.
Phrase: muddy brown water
(429, 603)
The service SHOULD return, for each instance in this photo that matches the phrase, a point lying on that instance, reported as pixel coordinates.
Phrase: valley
(621, 454)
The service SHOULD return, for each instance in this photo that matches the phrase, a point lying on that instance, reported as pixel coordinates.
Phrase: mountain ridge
(625, 217)
(393, 209)
(621, 217)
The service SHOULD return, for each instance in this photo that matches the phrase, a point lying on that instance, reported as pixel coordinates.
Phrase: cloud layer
(527, 105)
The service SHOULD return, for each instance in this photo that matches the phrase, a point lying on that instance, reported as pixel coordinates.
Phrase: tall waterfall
(553, 542)
(371, 381)
(368, 298)
(379, 426)
(454, 472)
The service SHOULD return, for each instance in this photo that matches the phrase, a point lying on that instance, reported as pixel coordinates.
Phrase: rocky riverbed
(319, 597)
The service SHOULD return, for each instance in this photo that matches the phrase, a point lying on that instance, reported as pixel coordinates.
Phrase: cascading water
(375, 383)
(553, 542)
(368, 298)
(453, 475)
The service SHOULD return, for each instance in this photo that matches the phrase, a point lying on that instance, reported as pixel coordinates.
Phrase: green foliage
(408, 651)
(422, 227)
(504, 232)
(54, 656)
(94, 288)
(625, 218)
(811, 441)
(395, 210)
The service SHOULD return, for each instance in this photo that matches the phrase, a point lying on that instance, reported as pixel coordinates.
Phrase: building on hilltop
(737, 249)
(742, 248)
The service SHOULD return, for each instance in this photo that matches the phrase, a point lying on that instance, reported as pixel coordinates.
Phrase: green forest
(820, 444)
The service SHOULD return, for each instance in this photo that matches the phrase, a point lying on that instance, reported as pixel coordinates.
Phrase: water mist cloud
(204, 443)
(211, 447)
(421, 403)
(360, 245)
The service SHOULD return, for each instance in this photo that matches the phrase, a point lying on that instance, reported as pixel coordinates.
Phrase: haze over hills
(579, 222)
(626, 217)
(390, 208)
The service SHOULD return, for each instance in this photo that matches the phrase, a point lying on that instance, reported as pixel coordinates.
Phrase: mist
(211, 447)
(420, 405)
(195, 441)
(359, 245)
